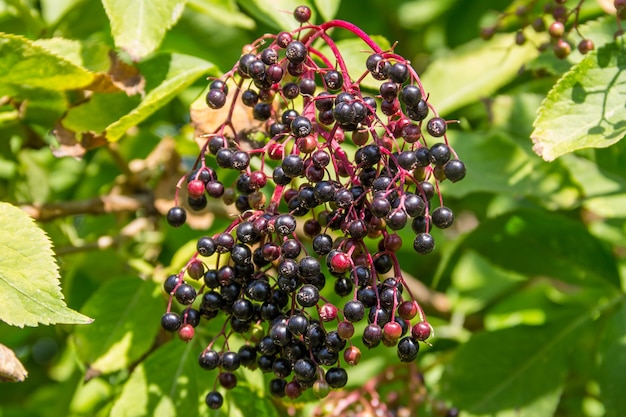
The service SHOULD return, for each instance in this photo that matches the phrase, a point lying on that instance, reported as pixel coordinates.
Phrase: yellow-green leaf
(29, 276)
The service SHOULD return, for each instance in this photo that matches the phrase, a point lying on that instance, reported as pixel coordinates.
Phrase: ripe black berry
(296, 52)
(407, 349)
(308, 295)
(171, 322)
(354, 310)
(440, 154)
(424, 243)
(176, 216)
(214, 400)
(333, 80)
(216, 98)
(436, 127)
(185, 294)
(454, 170)
(336, 377)
(442, 217)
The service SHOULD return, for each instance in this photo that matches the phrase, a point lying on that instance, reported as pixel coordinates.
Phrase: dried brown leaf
(11, 369)
(73, 144)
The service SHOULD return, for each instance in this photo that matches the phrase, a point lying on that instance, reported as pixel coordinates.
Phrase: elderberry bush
(558, 18)
(330, 166)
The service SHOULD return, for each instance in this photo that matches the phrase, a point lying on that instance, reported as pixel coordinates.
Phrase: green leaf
(585, 108)
(168, 383)
(29, 276)
(328, 8)
(536, 243)
(166, 76)
(521, 368)
(498, 164)
(223, 11)
(243, 402)
(126, 313)
(276, 13)
(611, 376)
(26, 64)
(487, 66)
(139, 26)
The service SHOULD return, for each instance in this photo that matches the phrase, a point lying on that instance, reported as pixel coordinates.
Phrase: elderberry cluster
(556, 17)
(329, 166)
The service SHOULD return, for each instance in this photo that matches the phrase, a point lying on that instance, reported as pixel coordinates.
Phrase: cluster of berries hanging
(556, 17)
(334, 166)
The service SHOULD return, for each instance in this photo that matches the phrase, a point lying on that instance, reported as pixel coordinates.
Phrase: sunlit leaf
(139, 26)
(29, 276)
(126, 313)
(585, 108)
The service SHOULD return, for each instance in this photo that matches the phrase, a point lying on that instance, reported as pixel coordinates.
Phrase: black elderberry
(290, 248)
(324, 101)
(262, 111)
(209, 359)
(293, 165)
(336, 377)
(301, 126)
(291, 90)
(440, 154)
(277, 387)
(327, 357)
(388, 91)
(245, 233)
(224, 242)
(397, 219)
(408, 349)
(227, 380)
(418, 112)
(436, 127)
(454, 170)
(399, 73)
(197, 204)
(414, 205)
(280, 334)
(269, 311)
(302, 14)
(380, 207)
(244, 62)
(307, 86)
(215, 189)
(191, 316)
(344, 113)
(265, 362)
(383, 263)
(171, 322)
(214, 400)
(380, 316)
(297, 324)
(230, 361)
(247, 356)
(424, 243)
(354, 310)
(372, 335)
(172, 281)
(279, 176)
(288, 116)
(249, 98)
(288, 268)
(442, 217)
(308, 295)
(216, 99)
(367, 296)
(343, 287)
(305, 369)
(185, 294)
(259, 290)
(410, 95)
(176, 216)
(343, 198)
(243, 309)
(281, 367)
(285, 224)
(427, 189)
(240, 160)
(309, 267)
(224, 157)
(296, 52)
(333, 80)
(210, 279)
